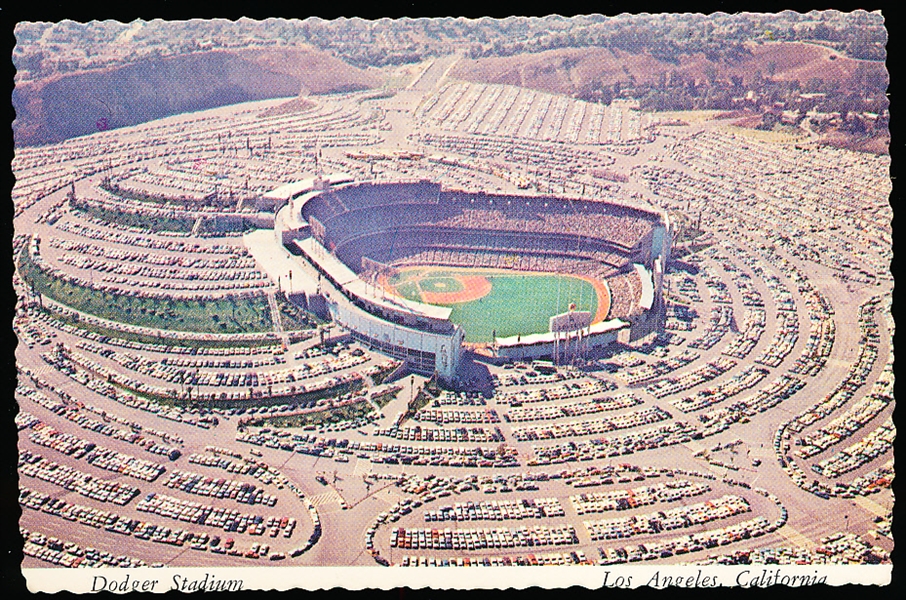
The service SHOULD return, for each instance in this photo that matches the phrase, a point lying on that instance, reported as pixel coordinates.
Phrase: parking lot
(755, 427)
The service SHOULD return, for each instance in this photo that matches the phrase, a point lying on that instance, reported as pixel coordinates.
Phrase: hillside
(58, 108)
(570, 70)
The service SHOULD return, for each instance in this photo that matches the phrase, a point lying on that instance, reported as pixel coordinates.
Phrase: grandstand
(352, 233)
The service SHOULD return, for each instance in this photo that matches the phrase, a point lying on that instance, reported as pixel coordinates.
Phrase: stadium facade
(348, 234)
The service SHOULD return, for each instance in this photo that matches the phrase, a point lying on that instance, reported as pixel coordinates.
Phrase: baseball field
(486, 301)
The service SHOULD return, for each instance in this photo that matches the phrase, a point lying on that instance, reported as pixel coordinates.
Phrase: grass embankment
(381, 376)
(349, 412)
(134, 195)
(300, 399)
(387, 396)
(75, 321)
(165, 201)
(778, 134)
(221, 315)
(425, 396)
(137, 220)
(336, 414)
(339, 414)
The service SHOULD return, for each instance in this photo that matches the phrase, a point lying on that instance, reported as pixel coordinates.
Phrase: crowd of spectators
(625, 294)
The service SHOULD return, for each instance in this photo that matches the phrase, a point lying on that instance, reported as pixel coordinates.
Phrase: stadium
(420, 272)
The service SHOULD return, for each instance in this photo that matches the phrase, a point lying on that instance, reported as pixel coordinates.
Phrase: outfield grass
(223, 315)
(518, 303)
(522, 304)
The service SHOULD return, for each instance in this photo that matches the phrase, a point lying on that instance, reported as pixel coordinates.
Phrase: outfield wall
(543, 345)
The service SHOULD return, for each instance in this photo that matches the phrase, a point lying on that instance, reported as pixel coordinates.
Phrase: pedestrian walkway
(871, 506)
(329, 497)
(281, 266)
(362, 467)
(275, 313)
(797, 538)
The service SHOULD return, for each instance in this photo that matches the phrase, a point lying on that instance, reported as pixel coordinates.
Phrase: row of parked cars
(625, 499)
(838, 548)
(497, 510)
(482, 538)
(457, 416)
(644, 416)
(573, 409)
(433, 434)
(666, 520)
(576, 557)
(685, 544)
(259, 470)
(380, 452)
(35, 465)
(224, 518)
(70, 554)
(219, 487)
(675, 432)
(133, 433)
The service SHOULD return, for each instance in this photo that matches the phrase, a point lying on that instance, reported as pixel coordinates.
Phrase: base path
(469, 288)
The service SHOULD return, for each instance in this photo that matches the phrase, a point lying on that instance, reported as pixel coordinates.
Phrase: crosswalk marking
(797, 538)
(362, 466)
(327, 497)
(694, 446)
(871, 506)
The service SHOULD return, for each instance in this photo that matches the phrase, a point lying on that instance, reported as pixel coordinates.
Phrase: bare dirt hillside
(318, 72)
(55, 109)
(565, 70)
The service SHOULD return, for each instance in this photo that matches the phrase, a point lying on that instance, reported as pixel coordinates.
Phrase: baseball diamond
(455, 267)
(504, 302)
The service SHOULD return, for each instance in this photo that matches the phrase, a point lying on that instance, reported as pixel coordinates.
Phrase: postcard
(594, 300)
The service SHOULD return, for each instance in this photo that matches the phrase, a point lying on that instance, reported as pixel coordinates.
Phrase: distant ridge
(59, 108)
(567, 70)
